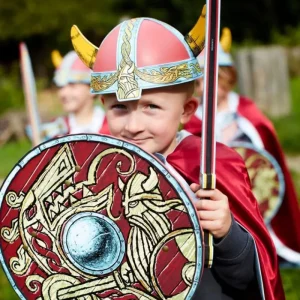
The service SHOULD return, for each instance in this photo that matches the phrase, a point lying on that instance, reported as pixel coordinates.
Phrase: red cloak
(233, 181)
(286, 223)
(104, 129)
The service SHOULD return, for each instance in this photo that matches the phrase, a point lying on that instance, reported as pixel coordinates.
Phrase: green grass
(295, 95)
(288, 128)
(10, 154)
(296, 180)
(291, 283)
(6, 291)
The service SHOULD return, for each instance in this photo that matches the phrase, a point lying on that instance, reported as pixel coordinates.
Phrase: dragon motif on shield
(85, 220)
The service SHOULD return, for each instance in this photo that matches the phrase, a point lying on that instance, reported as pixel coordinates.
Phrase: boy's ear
(189, 109)
(102, 100)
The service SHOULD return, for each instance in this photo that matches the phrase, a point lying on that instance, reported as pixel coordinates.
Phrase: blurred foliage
(11, 93)
(288, 132)
(10, 154)
(291, 283)
(28, 18)
(296, 179)
(290, 36)
(288, 127)
(51, 20)
(45, 25)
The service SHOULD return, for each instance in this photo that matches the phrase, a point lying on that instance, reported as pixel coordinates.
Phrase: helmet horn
(151, 182)
(196, 37)
(56, 58)
(84, 49)
(226, 39)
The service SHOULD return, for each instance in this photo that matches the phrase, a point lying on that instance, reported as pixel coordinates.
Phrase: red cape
(233, 181)
(104, 129)
(289, 212)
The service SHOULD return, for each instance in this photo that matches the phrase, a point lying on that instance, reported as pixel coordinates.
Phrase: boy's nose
(64, 91)
(134, 123)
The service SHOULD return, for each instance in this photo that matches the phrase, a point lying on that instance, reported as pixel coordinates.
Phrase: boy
(72, 78)
(145, 71)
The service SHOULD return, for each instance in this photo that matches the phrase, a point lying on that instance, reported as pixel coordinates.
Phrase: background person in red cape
(142, 108)
(239, 119)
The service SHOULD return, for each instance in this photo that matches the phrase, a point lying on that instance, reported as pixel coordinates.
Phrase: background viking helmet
(224, 58)
(139, 54)
(69, 69)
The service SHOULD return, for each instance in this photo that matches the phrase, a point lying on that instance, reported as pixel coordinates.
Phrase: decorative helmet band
(224, 58)
(69, 69)
(139, 54)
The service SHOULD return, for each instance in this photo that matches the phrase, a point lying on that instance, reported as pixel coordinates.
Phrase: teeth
(61, 207)
(49, 200)
(52, 214)
(86, 192)
(59, 190)
(71, 179)
(73, 199)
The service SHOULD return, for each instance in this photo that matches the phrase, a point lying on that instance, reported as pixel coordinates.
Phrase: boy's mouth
(136, 141)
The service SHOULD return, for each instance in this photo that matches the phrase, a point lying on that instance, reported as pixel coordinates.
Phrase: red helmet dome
(139, 54)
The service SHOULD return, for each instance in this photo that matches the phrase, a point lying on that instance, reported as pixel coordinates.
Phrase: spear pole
(30, 94)
(208, 150)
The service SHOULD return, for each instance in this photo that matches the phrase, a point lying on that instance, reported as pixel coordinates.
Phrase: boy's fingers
(211, 226)
(195, 187)
(206, 204)
(210, 194)
(208, 215)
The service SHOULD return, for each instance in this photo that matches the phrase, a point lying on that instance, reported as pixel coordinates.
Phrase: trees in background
(45, 25)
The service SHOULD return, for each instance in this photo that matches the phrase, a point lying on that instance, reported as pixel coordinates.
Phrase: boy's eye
(119, 106)
(153, 106)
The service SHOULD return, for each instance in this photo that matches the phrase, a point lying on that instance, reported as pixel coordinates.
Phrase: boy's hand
(212, 210)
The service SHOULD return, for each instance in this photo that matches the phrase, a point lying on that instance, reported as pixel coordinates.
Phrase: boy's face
(75, 96)
(152, 121)
(223, 88)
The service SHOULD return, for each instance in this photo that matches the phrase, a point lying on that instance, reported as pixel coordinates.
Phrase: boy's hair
(187, 86)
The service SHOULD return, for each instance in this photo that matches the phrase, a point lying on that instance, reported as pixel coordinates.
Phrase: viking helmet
(224, 58)
(69, 69)
(139, 54)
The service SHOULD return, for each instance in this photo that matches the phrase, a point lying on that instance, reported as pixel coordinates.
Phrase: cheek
(116, 123)
(222, 92)
(62, 93)
(198, 90)
(166, 124)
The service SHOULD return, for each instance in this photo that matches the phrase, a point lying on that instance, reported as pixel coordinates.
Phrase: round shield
(266, 177)
(91, 217)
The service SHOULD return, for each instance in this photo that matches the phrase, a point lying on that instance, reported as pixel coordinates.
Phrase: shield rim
(276, 166)
(136, 150)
